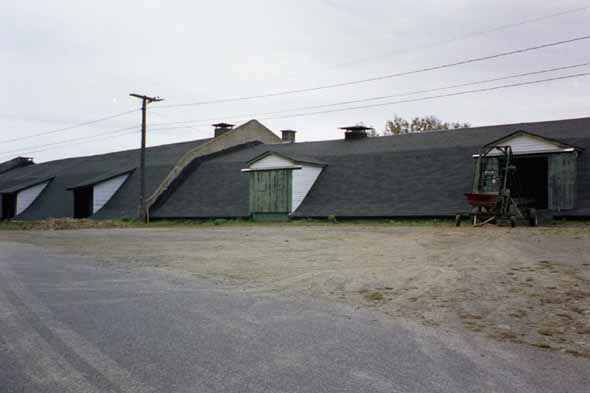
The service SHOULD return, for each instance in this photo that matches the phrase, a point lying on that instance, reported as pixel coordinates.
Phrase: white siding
(104, 191)
(27, 196)
(524, 144)
(271, 161)
(303, 180)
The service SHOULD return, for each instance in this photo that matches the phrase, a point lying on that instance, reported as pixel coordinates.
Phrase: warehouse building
(249, 171)
(107, 185)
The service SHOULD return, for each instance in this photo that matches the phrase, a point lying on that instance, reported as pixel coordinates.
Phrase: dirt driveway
(527, 285)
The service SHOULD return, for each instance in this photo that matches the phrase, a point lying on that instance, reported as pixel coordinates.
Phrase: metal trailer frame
(496, 207)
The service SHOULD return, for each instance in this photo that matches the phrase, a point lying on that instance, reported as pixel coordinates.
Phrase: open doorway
(8, 206)
(83, 202)
(531, 180)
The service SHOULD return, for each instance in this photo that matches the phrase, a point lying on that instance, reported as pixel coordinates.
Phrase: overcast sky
(71, 61)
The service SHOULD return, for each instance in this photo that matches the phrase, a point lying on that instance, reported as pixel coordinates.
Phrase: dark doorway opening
(8, 206)
(531, 180)
(83, 202)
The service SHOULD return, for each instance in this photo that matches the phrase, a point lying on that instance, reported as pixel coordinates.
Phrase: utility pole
(145, 100)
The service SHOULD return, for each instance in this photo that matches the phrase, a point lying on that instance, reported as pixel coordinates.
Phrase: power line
(467, 36)
(86, 123)
(119, 131)
(369, 99)
(472, 34)
(409, 100)
(96, 138)
(433, 97)
(380, 77)
(67, 141)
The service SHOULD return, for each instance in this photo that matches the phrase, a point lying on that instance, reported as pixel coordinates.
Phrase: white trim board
(275, 168)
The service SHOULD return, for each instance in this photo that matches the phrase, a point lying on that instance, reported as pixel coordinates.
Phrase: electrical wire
(407, 101)
(117, 132)
(47, 147)
(433, 97)
(467, 36)
(86, 123)
(380, 77)
(415, 92)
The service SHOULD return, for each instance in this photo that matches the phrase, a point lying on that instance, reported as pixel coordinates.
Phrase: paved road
(72, 325)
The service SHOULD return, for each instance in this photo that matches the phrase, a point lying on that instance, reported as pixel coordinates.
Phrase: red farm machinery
(492, 199)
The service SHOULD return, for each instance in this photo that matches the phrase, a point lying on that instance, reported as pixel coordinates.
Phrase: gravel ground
(524, 285)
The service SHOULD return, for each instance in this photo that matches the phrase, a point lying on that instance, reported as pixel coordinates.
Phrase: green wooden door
(562, 181)
(270, 192)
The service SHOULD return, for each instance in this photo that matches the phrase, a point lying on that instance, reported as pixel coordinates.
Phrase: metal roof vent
(222, 128)
(288, 136)
(355, 132)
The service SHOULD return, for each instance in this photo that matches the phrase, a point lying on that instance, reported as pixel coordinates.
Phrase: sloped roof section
(16, 162)
(102, 178)
(22, 185)
(57, 201)
(248, 133)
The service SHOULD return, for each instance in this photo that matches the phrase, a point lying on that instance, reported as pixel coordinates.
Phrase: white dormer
(91, 195)
(523, 143)
(304, 172)
(18, 198)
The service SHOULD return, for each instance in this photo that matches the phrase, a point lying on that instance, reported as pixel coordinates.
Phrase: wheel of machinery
(533, 218)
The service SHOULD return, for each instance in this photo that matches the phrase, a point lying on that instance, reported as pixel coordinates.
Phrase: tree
(400, 125)
(396, 126)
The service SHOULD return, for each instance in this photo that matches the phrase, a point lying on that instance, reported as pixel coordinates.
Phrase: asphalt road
(69, 324)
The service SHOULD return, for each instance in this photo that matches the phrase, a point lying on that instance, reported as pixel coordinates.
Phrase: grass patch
(70, 223)
(472, 326)
(66, 223)
(470, 316)
(548, 332)
(375, 296)
(518, 314)
(506, 335)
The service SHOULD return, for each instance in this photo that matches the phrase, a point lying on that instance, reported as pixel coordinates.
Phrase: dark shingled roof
(406, 175)
(23, 185)
(57, 201)
(102, 177)
(16, 162)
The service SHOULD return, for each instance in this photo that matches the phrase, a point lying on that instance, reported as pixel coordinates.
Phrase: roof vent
(355, 132)
(222, 128)
(288, 136)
